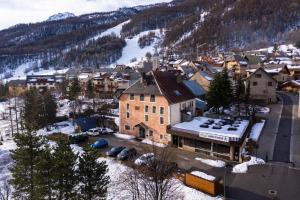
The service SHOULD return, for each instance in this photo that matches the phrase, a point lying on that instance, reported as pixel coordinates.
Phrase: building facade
(262, 86)
(153, 103)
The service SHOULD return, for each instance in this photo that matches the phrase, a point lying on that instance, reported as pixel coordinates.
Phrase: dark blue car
(114, 151)
(101, 143)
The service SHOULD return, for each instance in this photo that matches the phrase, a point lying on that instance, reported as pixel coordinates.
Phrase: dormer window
(142, 97)
(152, 98)
(257, 75)
(132, 97)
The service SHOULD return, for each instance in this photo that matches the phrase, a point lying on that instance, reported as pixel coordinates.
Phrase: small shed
(204, 182)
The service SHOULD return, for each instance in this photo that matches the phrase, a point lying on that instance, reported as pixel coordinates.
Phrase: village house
(262, 86)
(237, 64)
(41, 82)
(17, 87)
(203, 79)
(291, 86)
(279, 72)
(154, 102)
(295, 71)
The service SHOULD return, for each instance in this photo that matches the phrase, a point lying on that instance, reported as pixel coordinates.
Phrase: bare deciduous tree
(154, 180)
(5, 191)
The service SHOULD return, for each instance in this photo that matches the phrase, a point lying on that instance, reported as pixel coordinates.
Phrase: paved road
(185, 159)
(283, 139)
(260, 179)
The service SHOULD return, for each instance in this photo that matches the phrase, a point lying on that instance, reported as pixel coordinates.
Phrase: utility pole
(16, 111)
(11, 121)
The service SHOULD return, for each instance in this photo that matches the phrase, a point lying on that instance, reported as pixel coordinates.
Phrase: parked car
(114, 151)
(127, 153)
(93, 132)
(144, 159)
(78, 138)
(101, 143)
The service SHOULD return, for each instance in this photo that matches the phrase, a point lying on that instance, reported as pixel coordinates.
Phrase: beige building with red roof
(154, 102)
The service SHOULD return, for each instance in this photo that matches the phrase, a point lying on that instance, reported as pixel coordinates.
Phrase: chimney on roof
(146, 79)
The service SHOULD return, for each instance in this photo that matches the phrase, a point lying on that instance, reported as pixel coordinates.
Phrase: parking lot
(184, 159)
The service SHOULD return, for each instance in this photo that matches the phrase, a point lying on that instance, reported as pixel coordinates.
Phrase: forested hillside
(189, 25)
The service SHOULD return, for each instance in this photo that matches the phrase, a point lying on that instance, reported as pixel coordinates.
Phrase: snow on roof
(243, 63)
(222, 134)
(206, 76)
(203, 175)
(83, 76)
(256, 130)
(277, 70)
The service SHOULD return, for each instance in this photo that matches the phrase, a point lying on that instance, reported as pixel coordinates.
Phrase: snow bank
(8, 145)
(203, 175)
(243, 167)
(147, 141)
(257, 130)
(214, 163)
(264, 110)
(116, 170)
(124, 136)
(65, 127)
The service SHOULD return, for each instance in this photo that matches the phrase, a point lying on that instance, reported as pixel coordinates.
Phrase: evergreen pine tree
(91, 93)
(90, 90)
(31, 114)
(24, 170)
(239, 92)
(220, 91)
(74, 89)
(64, 174)
(212, 95)
(49, 109)
(45, 173)
(226, 93)
(92, 175)
(73, 93)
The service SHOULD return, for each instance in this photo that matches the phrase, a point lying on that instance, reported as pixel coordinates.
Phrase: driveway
(184, 159)
(283, 138)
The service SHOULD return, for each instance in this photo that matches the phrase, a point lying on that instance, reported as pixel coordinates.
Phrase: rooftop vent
(204, 126)
(217, 127)
(232, 128)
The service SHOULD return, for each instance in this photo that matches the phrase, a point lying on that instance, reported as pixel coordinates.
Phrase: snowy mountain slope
(60, 16)
(132, 49)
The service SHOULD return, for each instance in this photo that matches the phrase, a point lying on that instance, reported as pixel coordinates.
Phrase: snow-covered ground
(150, 142)
(65, 127)
(19, 72)
(243, 167)
(124, 136)
(283, 48)
(132, 49)
(115, 30)
(214, 163)
(256, 130)
(116, 170)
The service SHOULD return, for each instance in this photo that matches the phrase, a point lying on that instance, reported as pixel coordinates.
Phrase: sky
(13, 12)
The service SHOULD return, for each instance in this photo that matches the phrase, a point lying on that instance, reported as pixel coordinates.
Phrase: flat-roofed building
(216, 137)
